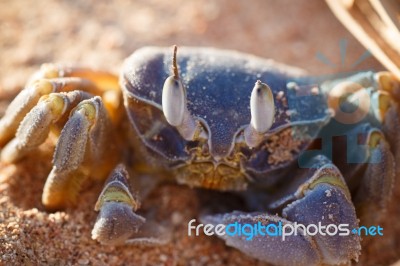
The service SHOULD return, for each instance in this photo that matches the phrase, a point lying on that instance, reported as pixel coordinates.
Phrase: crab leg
(391, 112)
(369, 137)
(36, 125)
(20, 106)
(54, 78)
(29, 97)
(391, 127)
(323, 198)
(83, 146)
(389, 107)
(384, 150)
(376, 187)
(103, 80)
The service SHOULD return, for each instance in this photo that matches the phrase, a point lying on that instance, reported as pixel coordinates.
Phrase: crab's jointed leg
(383, 171)
(371, 180)
(373, 139)
(29, 97)
(36, 125)
(66, 101)
(67, 98)
(53, 78)
(83, 148)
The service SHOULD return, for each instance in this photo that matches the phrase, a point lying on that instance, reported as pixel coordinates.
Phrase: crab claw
(262, 110)
(315, 225)
(295, 250)
(174, 105)
(116, 221)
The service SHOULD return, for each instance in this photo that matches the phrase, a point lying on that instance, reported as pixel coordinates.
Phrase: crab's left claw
(117, 222)
(294, 238)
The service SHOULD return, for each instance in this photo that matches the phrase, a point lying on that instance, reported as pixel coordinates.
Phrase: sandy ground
(101, 34)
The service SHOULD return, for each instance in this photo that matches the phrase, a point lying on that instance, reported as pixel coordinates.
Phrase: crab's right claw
(117, 222)
(295, 250)
(323, 200)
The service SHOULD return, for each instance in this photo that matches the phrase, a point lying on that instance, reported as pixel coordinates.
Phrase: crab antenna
(262, 109)
(174, 105)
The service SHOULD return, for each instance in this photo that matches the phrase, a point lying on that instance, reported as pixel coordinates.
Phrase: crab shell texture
(218, 86)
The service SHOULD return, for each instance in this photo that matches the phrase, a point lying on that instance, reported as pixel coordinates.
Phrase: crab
(298, 149)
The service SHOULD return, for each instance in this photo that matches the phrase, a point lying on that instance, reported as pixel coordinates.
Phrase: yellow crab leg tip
(87, 109)
(34, 128)
(20, 106)
(375, 138)
(56, 103)
(50, 71)
(388, 83)
(384, 102)
(61, 189)
(43, 86)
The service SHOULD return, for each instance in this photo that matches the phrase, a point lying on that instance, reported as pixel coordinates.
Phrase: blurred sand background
(101, 34)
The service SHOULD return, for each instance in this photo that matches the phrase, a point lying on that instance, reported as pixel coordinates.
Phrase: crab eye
(173, 101)
(262, 110)
(262, 107)
(174, 105)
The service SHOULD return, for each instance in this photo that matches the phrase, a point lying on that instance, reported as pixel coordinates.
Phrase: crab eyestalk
(174, 104)
(262, 108)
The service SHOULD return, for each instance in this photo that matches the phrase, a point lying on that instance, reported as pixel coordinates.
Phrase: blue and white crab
(307, 151)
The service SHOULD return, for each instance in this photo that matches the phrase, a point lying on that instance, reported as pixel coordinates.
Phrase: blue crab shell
(219, 85)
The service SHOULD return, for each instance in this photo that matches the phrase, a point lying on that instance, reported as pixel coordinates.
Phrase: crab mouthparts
(212, 175)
